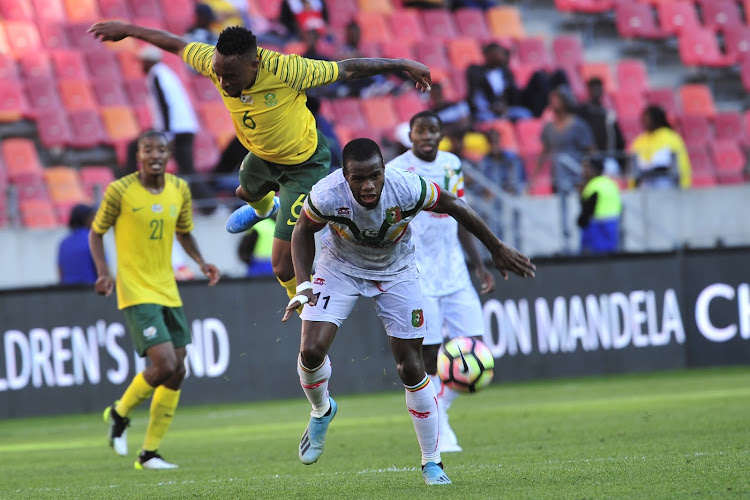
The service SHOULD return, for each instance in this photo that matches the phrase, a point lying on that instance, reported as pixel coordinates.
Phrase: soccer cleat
(448, 440)
(433, 474)
(245, 217)
(311, 444)
(152, 460)
(118, 434)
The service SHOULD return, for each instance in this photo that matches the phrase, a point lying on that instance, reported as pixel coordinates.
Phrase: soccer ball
(465, 364)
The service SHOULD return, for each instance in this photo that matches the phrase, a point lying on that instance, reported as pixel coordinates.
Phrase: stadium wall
(66, 350)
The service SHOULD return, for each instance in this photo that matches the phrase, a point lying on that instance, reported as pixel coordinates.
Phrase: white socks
(421, 401)
(315, 384)
(445, 394)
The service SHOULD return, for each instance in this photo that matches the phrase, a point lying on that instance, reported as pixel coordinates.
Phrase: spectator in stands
(256, 247)
(503, 167)
(74, 261)
(301, 15)
(660, 158)
(601, 210)
(456, 116)
(426, 4)
(474, 4)
(202, 30)
(606, 130)
(365, 87)
(492, 90)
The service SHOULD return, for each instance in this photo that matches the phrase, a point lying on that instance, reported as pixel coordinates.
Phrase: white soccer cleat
(118, 434)
(448, 442)
(153, 461)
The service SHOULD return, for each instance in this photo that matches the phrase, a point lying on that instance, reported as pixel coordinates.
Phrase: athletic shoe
(311, 444)
(118, 434)
(152, 460)
(448, 440)
(245, 217)
(433, 474)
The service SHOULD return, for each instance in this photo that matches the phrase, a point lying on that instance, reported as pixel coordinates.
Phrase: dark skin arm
(505, 259)
(475, 261)
(191, 248)
(303, 254)
(114, 31)
(104, 285)
(352, 69)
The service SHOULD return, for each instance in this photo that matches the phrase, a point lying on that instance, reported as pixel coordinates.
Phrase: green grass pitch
(662, 435)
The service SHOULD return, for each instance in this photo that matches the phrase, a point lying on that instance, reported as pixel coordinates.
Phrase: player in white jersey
(368, 252)
(451, 303)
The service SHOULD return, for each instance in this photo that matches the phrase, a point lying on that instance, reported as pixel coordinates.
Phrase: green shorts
(259, 177)
(152, 324)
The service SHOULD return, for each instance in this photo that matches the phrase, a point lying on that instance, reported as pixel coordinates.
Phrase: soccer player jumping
(368, 252)
(265, 93)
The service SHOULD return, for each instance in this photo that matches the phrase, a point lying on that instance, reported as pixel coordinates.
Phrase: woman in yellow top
(660, 158)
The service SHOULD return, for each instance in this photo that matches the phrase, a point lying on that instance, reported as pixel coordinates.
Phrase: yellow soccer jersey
(145, 224)
(271, 118)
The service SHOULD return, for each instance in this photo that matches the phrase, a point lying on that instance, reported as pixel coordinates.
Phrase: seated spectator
(606, 130)
(503, 167)
(302, 15)
(660, 158)
(601, 211)
(456, 116)
(492, 91)
(74, 262)
(202, 29)
(255, 249)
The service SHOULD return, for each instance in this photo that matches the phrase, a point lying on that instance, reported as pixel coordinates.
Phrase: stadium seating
(507, 133)
(374, 27)
(110, 93)
(697, 100)
(631, 74)
(700, 47)
(120, 123)
(205, 153)
(665, 98)
(601, 70)
(13, 105)
(409, 104)
(585, 6)
(50, 10)
(533, 53)
(37, 213)
(628, 102)
(102, 65)
(216, 121)
(87, 130)
(76, 95)
(82, 10)
(65, 191)
(36, 66)
(472, 23)
(505, 22)
(14, 10)
(438, 25)
(94, 180)
(636, 20)
(53, 35)
(114, 9)
(719, 14)
(737, 42)
(382, 6)
(380, 114)
(54, 131)
(676, 17)
(695, 130)
(22, 37)
(728, 125)
(568, 51)
(69, 65)
(42, 96)
(463, 52)
(703, 173)
(21, 160)
(406, 27)
(729, 160)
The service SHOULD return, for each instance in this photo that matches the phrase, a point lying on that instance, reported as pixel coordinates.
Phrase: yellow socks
(137, 392)
(263, 206)
(163, 406)
(290, 286)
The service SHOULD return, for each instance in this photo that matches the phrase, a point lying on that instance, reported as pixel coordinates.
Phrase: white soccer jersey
(440, 257)
(373, 244)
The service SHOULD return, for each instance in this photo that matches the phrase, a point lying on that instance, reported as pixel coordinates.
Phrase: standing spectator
(302, 15)
(606, 130)
(492, 87)
(660, 158)
(74, 261)
(601, 210)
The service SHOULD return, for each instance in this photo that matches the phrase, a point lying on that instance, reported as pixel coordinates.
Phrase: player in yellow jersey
(265, 93)
(147, 210)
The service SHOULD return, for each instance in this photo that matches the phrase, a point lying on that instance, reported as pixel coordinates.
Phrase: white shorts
(398, 304)
(454, 315)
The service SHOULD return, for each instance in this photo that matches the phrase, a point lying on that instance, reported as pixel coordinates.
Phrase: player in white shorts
(368, 252)
(451, 304)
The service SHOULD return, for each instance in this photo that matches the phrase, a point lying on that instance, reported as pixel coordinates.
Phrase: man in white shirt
(450, 300)
(368, 252)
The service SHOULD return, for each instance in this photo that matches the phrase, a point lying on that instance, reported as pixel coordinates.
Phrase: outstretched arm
(303, 253)
(504, 257)
(191, 248)
(352, 69)
(114, 31)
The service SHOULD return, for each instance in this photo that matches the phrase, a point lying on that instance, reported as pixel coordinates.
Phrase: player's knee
(312, 356)
(411, 371)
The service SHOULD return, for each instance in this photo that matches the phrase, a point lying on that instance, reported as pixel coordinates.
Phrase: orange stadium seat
(697, 100)
(409, 104)
(21, 160)
(53, 35)
(695, 130)
(95, 180)
(737, 42)
(130, 66)
(37, 213)
(15, 10)
(69, 65)
(41, 95)
(349, 112)
(568, 51)
(471, 22)
(120, 123)
(54, 129)
(601, 70)
(76, 95)
(380, 113)
(50, 10)
(22, 38)
(636, 20)
(406, 26)
(632, 75)
(676, 17)
(665, 97)
(114, 9)
(110, 93)
(533, 52)
(374, 27)
(382, 6)
(507, 133)
(13, 104)
(463, 52)
(205, 153)
(700, 47)
(728, 125)
(505, 21)
(64, 185)
(719, 14)
(729, 160)
(438, 25)
(215, 119)
(86, 129)
(82, 10)
(628, 102)
(703, 173)
(102, 65)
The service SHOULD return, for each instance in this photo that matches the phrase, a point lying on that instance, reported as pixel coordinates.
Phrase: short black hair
(658, 116)
(236, 41)
(79, 216)
(594, 80)
(360, 149)
(150, 134)
(596, 164)
(425, 114)
(494, 46)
